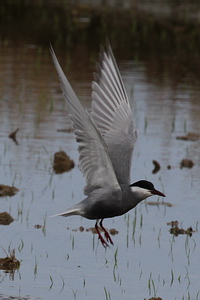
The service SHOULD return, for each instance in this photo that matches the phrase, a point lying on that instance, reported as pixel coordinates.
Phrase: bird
(106, 136)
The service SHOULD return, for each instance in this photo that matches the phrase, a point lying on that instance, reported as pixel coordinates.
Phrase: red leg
(107, 235)
(104, 243)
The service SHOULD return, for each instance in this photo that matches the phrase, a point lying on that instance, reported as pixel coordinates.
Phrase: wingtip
(107, 42)
(52, 53)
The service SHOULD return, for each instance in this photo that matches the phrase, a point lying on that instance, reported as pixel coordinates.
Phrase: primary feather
(94, 160)
(112, 114)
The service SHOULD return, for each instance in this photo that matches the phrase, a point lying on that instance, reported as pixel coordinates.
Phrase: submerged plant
(107, 293)
(9, 262)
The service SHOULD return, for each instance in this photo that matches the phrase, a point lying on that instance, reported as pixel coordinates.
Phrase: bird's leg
(107, 235)
(104, 243)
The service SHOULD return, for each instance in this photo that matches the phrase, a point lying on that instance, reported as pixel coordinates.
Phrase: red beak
(156, 192)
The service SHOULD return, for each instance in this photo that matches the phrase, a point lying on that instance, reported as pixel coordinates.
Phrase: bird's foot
(104, 243)
(107, 235)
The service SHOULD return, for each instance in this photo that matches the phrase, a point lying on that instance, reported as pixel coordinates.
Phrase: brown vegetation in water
(112, 231)
(6, 190)
(175, 230)
(9, 262)
(190, 136)
(186, 163)
(156, 167)
(13, 136)
(62, 162)
(5, 218)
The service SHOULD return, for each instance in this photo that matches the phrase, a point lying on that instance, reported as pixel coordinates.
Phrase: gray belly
(104, 209)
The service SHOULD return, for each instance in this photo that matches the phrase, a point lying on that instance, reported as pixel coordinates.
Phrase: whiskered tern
(106, 138)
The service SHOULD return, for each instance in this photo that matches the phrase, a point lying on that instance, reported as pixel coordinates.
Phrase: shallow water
(59, 261)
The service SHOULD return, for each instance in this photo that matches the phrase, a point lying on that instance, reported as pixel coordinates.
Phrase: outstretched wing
(94, 160)
(112, 114)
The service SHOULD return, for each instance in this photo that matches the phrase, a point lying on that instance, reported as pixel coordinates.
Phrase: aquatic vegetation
(134, 225)
(63, 284)
(154, 298)
(151, 286)
(35, 268)
(107, 294)
(5, 218)
(171, 247)
(62, 163)
(156, 167)
(7, 191)
(190, 136)
(115, 263)
(9, 262)
(13, 136)
(21, 245)
(158, 203)
(186, 163)
(175, 230)
(51, 285)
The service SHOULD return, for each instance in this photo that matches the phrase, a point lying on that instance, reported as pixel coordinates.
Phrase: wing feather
(94, 160)
(112, 114)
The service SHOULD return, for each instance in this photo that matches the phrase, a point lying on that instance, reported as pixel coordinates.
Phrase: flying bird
(106, 138)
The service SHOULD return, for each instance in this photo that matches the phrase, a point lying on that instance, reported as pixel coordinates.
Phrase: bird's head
(144, 189)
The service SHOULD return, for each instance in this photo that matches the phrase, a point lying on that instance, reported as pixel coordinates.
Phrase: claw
(104, 243)
(107, 235)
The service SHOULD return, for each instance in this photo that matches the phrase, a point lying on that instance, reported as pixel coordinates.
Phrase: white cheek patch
(143, 193)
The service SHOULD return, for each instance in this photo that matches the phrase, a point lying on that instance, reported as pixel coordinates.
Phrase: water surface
(59, 261)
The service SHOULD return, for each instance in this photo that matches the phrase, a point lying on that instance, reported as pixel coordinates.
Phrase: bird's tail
(69, 212)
